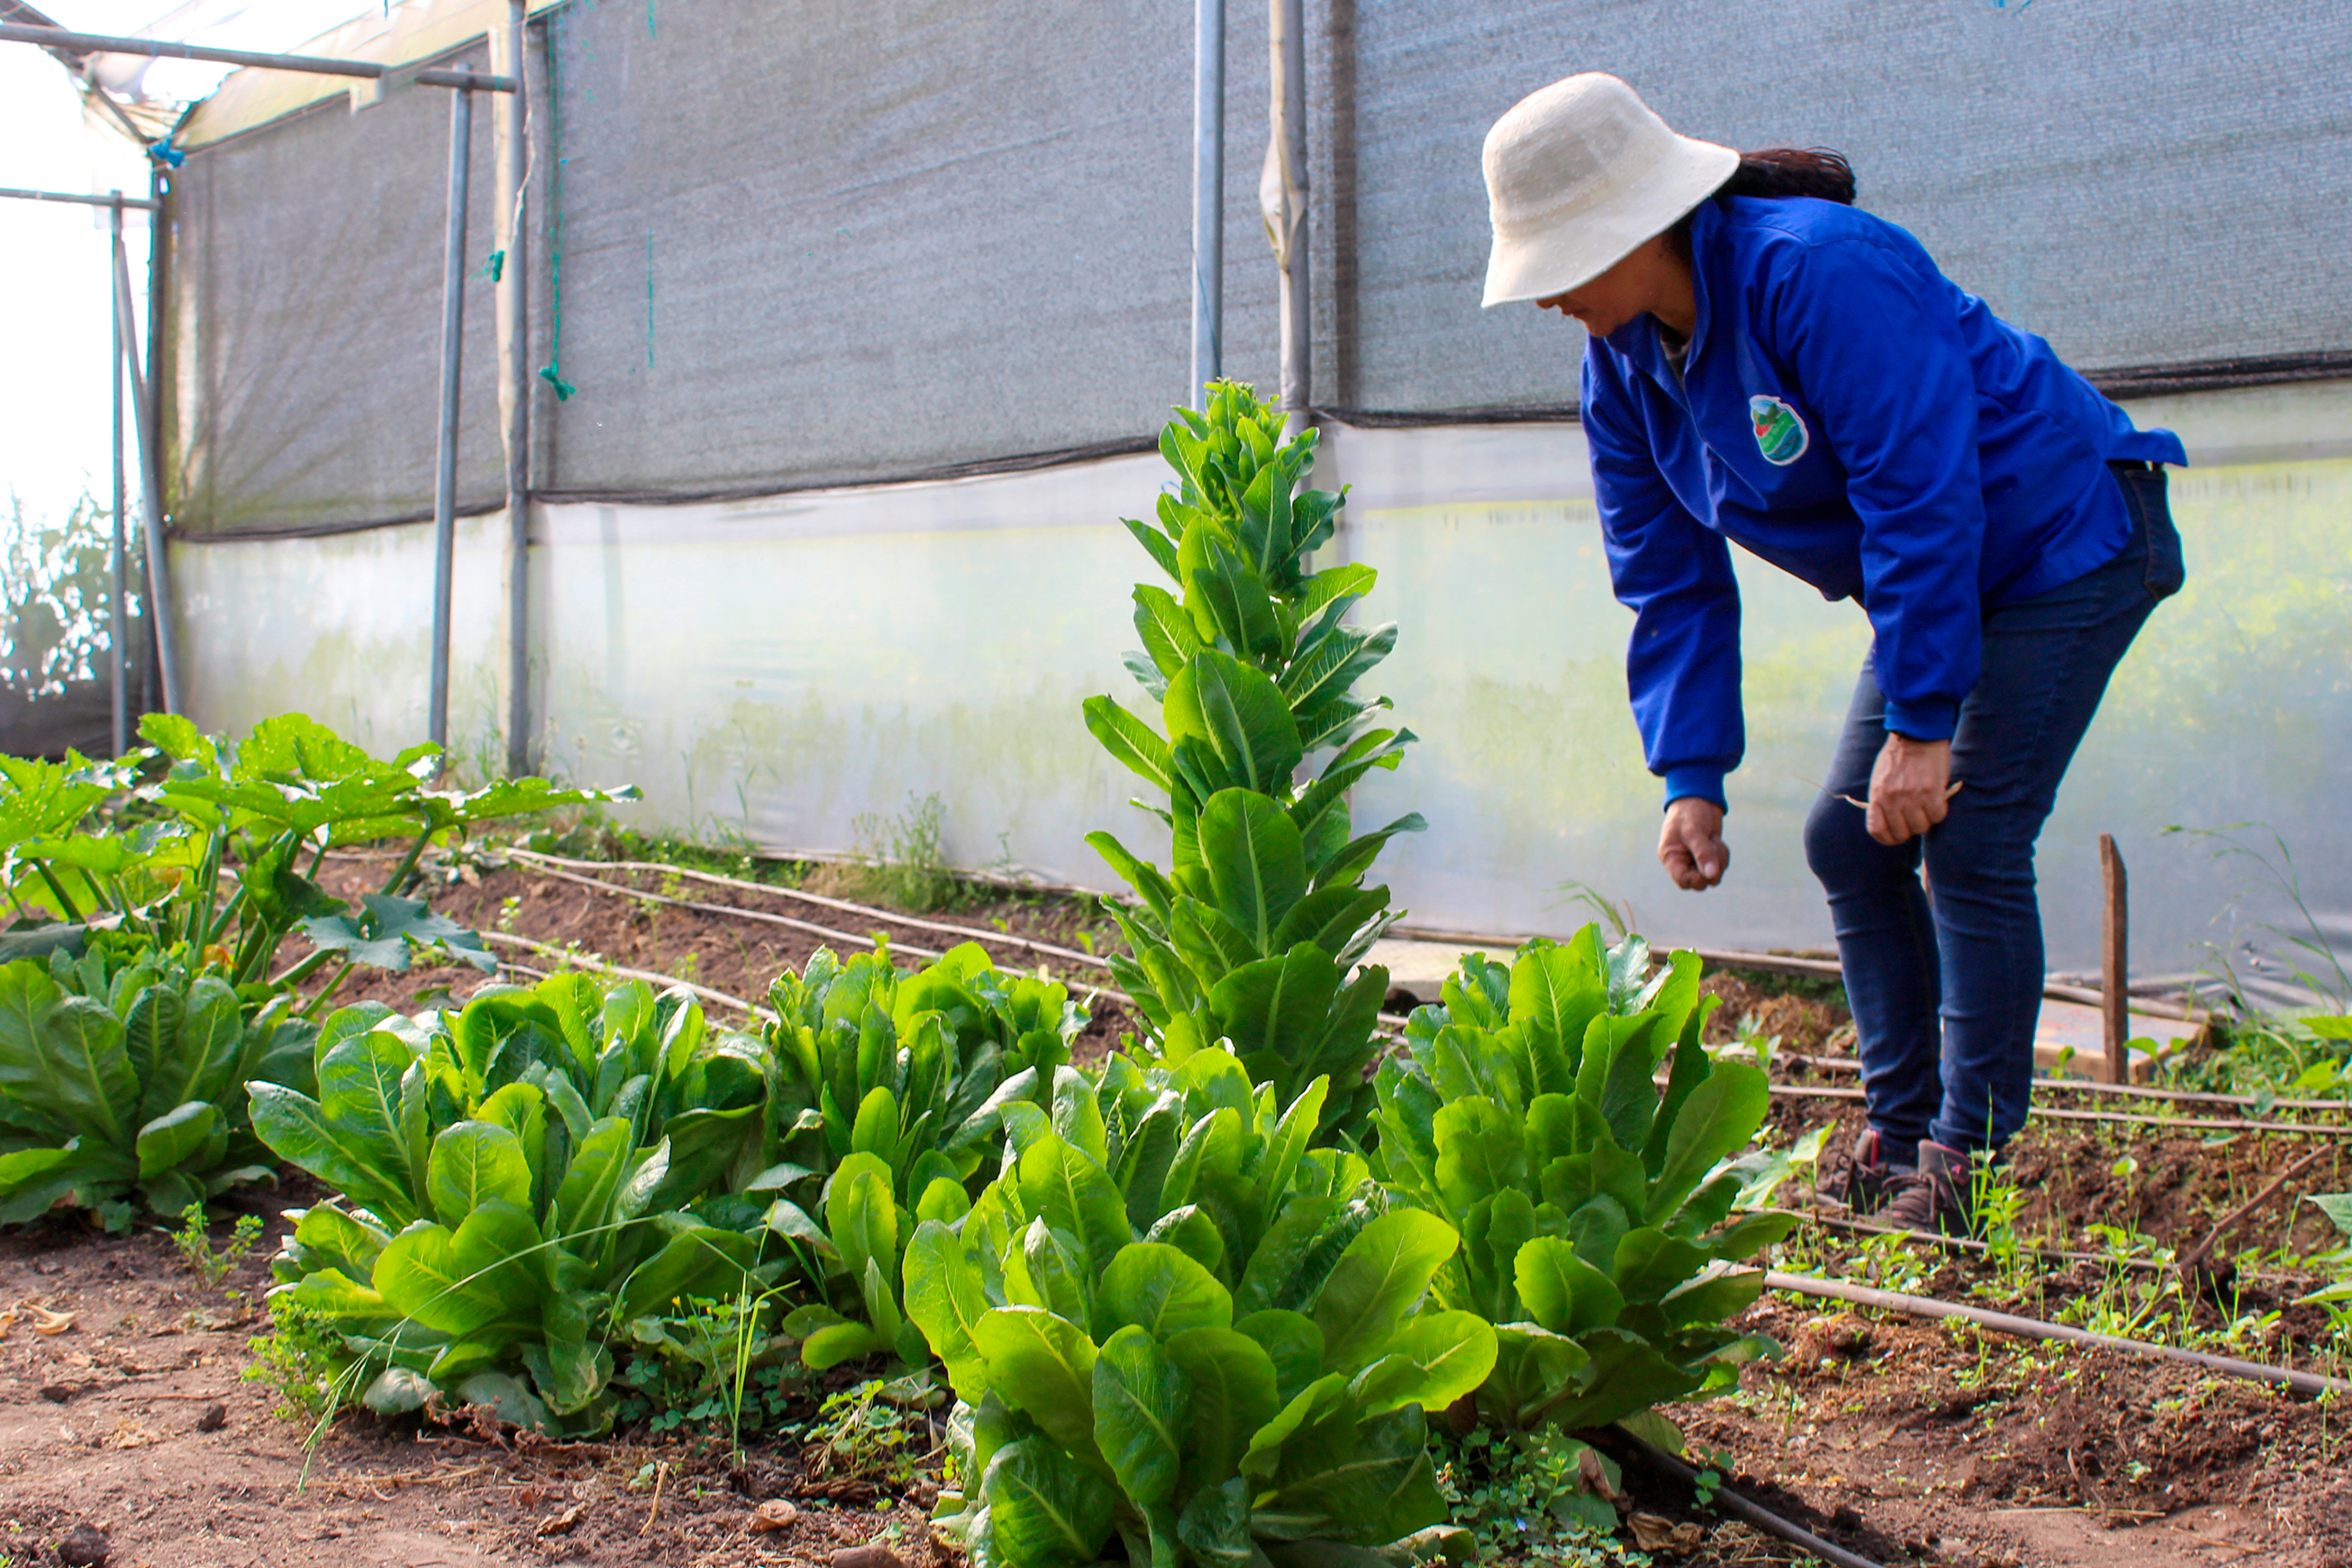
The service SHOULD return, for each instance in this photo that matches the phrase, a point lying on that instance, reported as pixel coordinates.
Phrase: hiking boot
(1933, 1199)
(1860, 1183)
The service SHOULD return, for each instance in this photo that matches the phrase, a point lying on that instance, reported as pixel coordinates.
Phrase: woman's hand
(1908, 788)
(1690, 844)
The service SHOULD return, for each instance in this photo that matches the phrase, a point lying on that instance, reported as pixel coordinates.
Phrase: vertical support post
(1208, 195)
(1282, 198)
(511, 133)
(444, 472)
(118, 634)
(2115, 953)
(158, 263)
(159, 574)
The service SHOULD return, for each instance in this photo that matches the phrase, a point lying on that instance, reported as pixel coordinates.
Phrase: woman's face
(1618, 295)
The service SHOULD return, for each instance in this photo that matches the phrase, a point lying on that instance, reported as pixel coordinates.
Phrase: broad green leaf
(297, 1132)
(1479, 1152)
(1141, 1404)
(485, 1278)
(1292, 1342)
(1378, 1281)
(1076, 1197)
(1130, 740)
(1347, 1480)
(1275, 1004)
(1045, 1507)
(169, 1140)
(1255, 860)
(1432, 1359)
(946, 1300)
(474, 1163)
(1232, 1387)
(1043, 1365)
(1158, 1289)
(1719, 1118)
(860, 1214)
(1238, 716)
(1562, 1291)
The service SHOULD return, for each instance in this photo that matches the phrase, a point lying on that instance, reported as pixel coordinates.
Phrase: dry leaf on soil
(1652, 1533)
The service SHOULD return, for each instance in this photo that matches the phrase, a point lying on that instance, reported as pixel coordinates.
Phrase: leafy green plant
(516, 1182)
(296, 1360)
(1186, 1329)
(1250, 935)
(206, 859)
(867, 1431)
(902, 859)
(212, 1265)
(1537, 1496)
(127, 1077)
(1596, 1210)
(891, 1090)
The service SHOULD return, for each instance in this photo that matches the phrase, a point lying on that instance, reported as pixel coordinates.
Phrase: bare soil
(1910, 1443)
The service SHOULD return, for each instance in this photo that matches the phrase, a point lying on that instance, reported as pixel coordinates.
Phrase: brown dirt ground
(1907, 1442)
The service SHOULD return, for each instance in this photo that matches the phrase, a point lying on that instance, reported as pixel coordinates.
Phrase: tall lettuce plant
(1250, 935)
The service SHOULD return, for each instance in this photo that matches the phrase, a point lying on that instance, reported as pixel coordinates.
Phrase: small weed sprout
(210, 1265)
(510, 912)
(292, 1361)
(862, 1433)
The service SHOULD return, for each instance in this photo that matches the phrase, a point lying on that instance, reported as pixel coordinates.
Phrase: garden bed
(1908, 1442)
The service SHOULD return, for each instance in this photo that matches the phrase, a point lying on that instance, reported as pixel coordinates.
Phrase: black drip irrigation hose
(1755, 1513)
(2309, 1384)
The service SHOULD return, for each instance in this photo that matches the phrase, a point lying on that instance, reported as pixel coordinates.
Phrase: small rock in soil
(865, 1557)
(215, 1417)
(57, 1393)
(773, 1514)
(85, 1546)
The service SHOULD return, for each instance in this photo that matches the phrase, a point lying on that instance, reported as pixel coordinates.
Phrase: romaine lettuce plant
(1595, 1208)
(120, 1078)
(1171, 1322)
(888, 1095)
(515, 1183)
(1250, 935)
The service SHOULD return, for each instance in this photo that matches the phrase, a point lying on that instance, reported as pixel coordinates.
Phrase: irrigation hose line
(844, 905)
(1971, 1245)
(2059, 1114)
(1739, 1507)
(2084, 1086)
(2304, 1383)
(588, 961)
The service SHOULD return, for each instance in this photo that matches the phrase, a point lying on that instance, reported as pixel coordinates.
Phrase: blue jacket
(1847, 412)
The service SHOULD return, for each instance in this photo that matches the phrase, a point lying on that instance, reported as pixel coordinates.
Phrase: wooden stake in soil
(2115, 948)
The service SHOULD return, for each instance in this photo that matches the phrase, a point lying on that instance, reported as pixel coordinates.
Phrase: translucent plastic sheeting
(776, 669)
(854, 242)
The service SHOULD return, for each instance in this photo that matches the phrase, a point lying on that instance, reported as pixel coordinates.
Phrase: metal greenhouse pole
(159, 576)
(1208, 194)
(510, 134)
(118, 628)
(1281, 197)
(453, 348)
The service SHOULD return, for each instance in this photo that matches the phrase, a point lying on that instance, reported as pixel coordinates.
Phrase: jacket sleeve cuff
(1932, 719)
(1701, 779)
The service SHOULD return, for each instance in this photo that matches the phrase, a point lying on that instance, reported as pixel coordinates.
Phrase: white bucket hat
(1579, 173)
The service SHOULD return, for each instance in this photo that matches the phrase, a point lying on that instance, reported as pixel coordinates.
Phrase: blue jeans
(1946, 980)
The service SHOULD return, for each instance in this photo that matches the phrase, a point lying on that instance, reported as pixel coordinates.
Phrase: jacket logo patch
(1781, 434)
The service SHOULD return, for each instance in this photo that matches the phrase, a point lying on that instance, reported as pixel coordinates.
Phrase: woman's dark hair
(1792, 172)
(1780, 172)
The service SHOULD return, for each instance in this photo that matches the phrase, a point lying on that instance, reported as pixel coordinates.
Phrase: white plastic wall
(773, 670)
